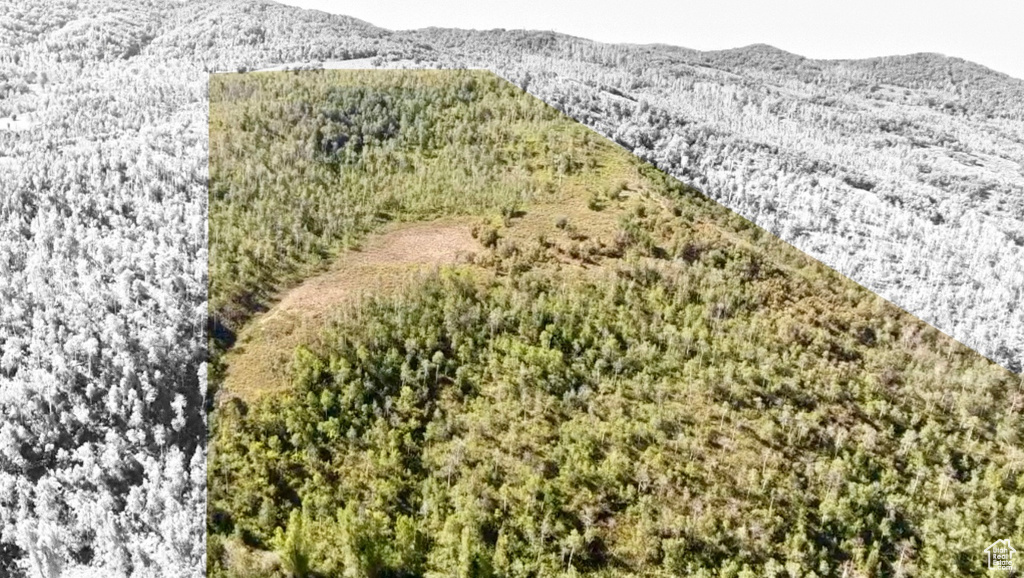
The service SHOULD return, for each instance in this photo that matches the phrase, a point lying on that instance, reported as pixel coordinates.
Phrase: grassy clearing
(386, 263)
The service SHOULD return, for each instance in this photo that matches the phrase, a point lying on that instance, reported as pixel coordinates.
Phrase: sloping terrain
(621, 378)
(104, 146)
(905, 173)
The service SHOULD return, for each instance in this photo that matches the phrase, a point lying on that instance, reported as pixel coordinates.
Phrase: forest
(625, 378)
(102, 298)
(343, 154)
(103, 273)
(901, 172)
(905, 173)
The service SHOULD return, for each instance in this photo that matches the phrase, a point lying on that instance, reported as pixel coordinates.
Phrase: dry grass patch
(389, 262)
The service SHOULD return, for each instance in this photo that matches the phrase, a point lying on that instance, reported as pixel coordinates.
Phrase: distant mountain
(225, 34)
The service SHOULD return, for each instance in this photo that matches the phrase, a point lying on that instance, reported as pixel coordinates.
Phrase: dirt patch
(386, 263)
(392, 252)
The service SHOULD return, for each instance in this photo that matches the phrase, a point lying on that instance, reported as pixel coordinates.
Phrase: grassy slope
(284, 202)
(649, 385)
(282, 198)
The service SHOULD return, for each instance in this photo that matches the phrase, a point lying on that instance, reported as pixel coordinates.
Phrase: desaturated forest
(103, 279)
(680, 393)
(102, 292)
(903, 173)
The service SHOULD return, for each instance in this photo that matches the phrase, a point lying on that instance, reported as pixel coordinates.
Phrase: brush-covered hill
(104, 150)
(621, 377)
(905, 173)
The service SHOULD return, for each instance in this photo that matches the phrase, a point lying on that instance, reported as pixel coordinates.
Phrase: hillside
(620, 377)
(104, 150)
(905, 173)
